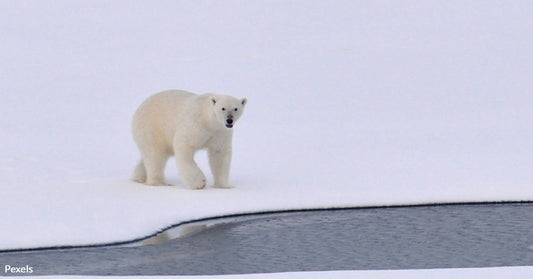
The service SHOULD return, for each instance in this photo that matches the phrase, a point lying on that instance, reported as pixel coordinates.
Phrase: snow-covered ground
(350, 103)
(485, 273)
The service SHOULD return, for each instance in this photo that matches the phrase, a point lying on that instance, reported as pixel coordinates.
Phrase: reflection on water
(174, 233)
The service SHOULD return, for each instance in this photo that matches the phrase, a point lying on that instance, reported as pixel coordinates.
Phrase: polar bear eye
(223, 108)
(236, 109)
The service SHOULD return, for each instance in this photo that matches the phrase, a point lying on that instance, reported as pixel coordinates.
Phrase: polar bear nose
(229, 121)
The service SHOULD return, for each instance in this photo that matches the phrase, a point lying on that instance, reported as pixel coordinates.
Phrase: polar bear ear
(243, 101)
(214, 101)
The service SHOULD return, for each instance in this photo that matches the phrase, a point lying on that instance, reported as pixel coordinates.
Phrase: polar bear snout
(229, 121)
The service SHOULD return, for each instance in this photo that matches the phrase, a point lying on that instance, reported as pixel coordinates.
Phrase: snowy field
(350, 103)
(467, 273)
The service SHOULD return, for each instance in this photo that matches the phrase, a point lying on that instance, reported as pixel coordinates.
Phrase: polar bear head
(227, 109)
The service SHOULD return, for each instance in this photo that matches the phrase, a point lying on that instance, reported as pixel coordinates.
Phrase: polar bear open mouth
(229, 121)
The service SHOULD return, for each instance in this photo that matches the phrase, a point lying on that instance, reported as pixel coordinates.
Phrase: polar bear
(179, 123)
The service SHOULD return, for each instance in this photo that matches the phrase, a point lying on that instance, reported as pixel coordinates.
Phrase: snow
(486, 273)
(350, 103)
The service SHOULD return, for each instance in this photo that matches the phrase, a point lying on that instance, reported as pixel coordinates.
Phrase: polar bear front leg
(220, 161)
(190, 173)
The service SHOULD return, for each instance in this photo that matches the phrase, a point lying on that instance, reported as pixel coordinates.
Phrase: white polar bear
(179, 123)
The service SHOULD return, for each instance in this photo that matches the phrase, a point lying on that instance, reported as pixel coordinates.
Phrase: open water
(449, 236)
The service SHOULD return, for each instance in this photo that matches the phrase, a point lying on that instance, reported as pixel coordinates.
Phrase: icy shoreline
(184, 228)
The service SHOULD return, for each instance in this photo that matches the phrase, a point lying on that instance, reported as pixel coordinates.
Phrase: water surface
(450, 236)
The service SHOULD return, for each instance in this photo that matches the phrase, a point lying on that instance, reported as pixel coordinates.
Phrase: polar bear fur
(179, 123)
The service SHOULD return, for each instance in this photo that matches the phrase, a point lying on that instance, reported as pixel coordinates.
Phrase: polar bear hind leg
(155, 169)
(139, 173)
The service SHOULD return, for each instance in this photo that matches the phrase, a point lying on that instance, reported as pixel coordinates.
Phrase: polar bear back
(158, 118)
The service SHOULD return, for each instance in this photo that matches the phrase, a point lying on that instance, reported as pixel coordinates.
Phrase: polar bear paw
(196, 181)
(200, 184)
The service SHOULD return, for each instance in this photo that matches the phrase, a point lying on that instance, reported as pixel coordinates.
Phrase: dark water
(449, 236)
